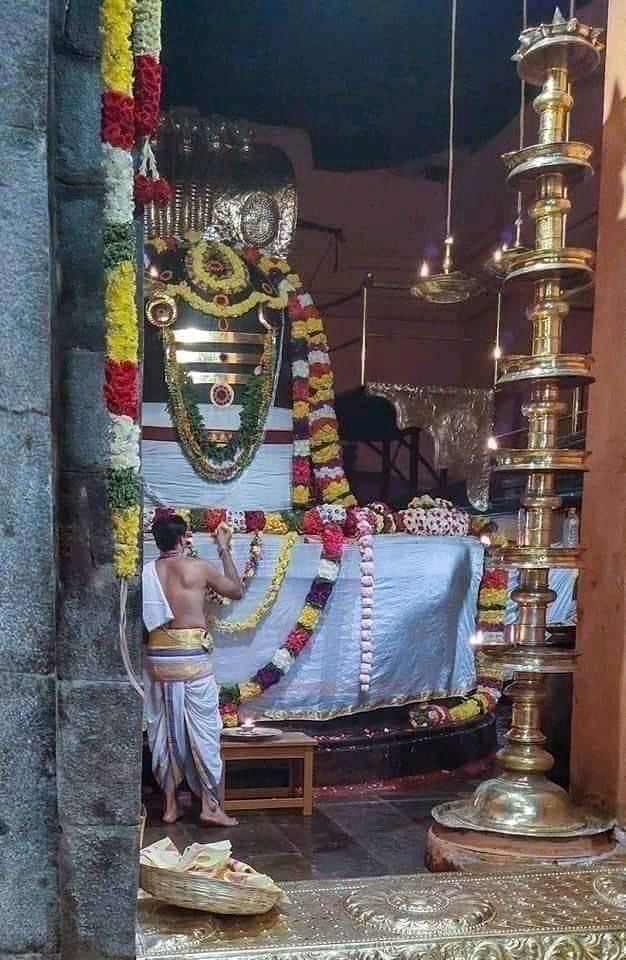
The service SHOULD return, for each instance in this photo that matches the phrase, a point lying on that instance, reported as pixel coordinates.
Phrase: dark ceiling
(368, 79)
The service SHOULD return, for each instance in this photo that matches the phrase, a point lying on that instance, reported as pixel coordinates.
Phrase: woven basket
(195, 892)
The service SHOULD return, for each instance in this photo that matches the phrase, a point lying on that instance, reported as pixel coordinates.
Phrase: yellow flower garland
(126, 526)
(269, 599)
(338, 489)
(331, 452)
(116, 66)
(274, 523)
(491, 616)
(227, 311)
(298, 329)
(300, 495)
(493, 597)
(250, 690)
(122, 339)
(309, 616)
(210, 281)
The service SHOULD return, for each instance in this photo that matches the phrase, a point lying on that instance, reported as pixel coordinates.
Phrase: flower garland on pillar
(149, 186)
(121, 372)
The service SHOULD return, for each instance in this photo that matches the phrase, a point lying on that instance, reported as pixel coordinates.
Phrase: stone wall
(70, 736)
(99, 715)
(28, 818)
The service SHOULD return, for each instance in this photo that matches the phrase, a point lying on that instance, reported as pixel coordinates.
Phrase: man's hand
(223, 536)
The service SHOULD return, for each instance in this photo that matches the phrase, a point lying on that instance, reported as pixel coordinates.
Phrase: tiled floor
(369, 834)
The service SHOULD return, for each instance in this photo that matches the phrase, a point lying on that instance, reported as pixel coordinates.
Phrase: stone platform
(543, 915)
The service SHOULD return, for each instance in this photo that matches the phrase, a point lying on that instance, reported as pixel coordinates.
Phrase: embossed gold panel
(553, 915)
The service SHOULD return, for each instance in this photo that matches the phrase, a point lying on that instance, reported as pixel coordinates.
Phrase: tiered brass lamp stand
(521, 801)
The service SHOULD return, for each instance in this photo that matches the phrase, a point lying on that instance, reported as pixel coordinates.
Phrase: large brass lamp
(521, 801)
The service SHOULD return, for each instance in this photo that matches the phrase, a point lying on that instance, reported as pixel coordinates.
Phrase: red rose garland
(121, 388)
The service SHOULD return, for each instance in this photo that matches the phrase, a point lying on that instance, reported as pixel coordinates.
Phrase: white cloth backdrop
(425, 599)
(265, 484)
(172, 480)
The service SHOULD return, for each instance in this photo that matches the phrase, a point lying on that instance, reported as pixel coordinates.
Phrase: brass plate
(538, 459)
(545, 915)
(246, 734)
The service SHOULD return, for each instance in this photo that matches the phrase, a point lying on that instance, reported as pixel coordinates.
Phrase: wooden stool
(291, 746)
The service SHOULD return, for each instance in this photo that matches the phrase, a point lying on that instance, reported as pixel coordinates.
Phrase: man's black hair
(167, 531)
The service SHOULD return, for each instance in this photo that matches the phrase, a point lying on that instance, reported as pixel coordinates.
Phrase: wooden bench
(291, 747)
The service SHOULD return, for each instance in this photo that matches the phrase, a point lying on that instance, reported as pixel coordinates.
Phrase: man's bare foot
(171, 816)
(217, 818)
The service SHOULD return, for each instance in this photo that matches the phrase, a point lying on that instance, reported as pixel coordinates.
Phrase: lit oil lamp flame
(497, 352)
(492, 443)
(424, 269)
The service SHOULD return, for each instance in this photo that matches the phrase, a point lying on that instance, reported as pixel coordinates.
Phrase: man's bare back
(185, 582)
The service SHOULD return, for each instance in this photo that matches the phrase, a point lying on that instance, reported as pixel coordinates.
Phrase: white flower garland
(125, 443)
(119, 205)
(366, 549)
(147, 28)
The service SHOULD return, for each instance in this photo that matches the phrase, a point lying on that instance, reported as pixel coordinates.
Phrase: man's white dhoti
(182, 711)
(184, 725)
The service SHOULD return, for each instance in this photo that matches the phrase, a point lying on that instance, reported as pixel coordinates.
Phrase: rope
(496, 352)
(451, 129)
(522, 130)
(134, 682)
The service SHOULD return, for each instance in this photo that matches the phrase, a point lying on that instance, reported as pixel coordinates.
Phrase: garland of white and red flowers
(149, 186)
(233, 695)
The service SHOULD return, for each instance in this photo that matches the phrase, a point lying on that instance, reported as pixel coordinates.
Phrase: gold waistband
(165, 638)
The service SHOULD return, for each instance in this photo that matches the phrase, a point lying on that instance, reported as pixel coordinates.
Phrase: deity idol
(215, 339)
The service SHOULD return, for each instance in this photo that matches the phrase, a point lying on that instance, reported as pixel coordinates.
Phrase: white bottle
(521, 524)
(571, 528)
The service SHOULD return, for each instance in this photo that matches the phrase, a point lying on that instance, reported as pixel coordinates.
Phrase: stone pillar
(99, 714)
(598, 761)
(28, 815)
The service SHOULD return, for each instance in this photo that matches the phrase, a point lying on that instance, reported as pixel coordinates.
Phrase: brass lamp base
(444, 288)
(570, 158)
(524, 805)
(574, 367)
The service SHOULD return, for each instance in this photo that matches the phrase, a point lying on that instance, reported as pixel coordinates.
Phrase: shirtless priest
(181, 695)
